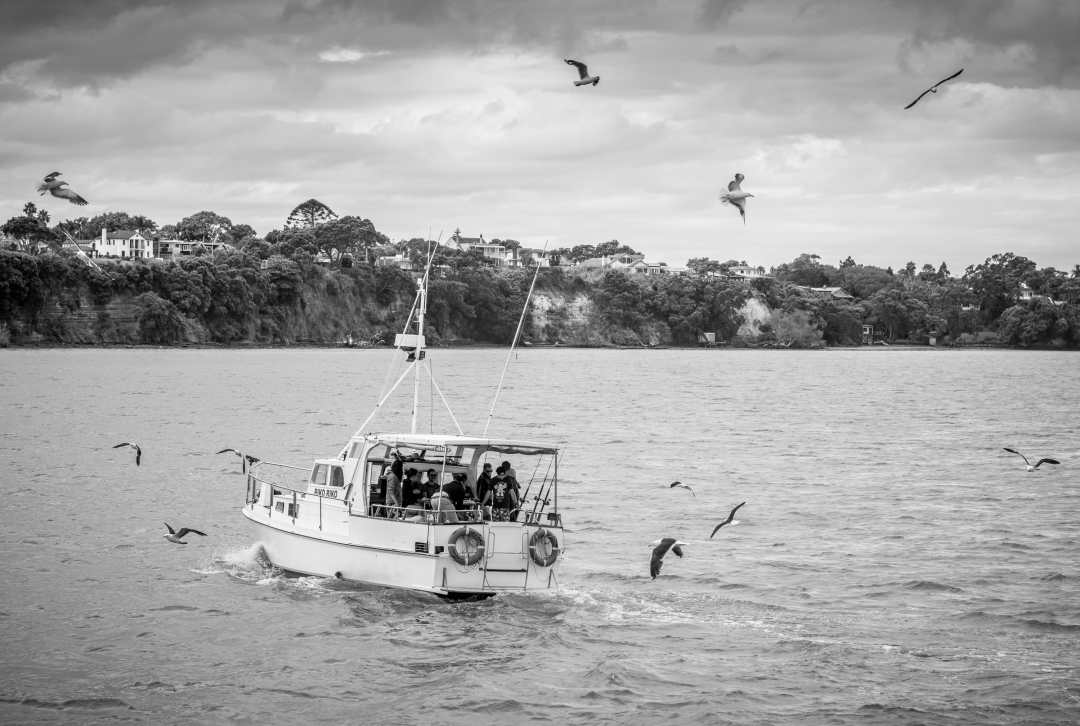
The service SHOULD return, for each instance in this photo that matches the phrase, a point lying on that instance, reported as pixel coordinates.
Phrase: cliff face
(233, 300)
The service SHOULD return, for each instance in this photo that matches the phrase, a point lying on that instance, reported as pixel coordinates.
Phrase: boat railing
(458, 516)
(287, 489)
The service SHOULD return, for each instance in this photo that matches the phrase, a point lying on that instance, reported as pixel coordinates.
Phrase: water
(892, 564)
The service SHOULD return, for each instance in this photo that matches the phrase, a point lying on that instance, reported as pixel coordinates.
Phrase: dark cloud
(90, 43)
(718, 12)
(1050, 30)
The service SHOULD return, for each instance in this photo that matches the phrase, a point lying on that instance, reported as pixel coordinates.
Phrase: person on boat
(483, 486)
(511, 477)
(412, 490)
(431, 483)
(501, 497)
(393, 483)
(456, 490)
(443, 507)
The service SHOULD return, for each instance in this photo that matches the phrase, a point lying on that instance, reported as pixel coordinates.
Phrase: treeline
(317, 280)
(249, 296)
(233, 297)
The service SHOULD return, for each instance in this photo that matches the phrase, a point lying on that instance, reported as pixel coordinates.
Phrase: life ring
(543, 548)
(467, 552)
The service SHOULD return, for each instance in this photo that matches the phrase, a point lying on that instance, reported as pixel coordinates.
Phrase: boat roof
(422, 441)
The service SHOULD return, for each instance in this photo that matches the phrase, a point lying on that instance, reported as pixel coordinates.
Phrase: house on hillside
(631, 264)
(170, 249)
(496, 253)
(836, 293)
(124, 243)
(746, 272)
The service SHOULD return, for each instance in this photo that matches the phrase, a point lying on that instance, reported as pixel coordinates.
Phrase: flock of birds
(670, 544)
(734, 196)
(173, 535)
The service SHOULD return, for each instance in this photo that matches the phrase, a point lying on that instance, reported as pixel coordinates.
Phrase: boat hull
(410, 555)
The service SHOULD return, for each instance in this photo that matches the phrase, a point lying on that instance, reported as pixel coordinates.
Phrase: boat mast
(419, 350)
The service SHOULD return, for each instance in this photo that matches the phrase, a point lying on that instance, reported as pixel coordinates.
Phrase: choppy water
(892, 564)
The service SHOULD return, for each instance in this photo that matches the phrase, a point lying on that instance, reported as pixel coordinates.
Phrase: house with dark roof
(125, 243)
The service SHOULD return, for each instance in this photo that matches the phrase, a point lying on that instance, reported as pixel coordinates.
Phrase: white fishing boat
(344, 516)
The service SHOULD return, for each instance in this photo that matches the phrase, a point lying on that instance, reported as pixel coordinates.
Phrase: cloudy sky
(425, 116)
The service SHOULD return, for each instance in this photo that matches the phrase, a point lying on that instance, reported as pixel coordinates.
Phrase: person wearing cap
(501, 497)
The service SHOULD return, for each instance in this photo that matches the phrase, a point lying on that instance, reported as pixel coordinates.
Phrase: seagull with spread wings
(246, 460)
(730, 520)
(132, 444)
(583, 71)
(933, 88)
(661, 548)
(735, 196)
(1030, 466)
(681, 486)
(176, 537)
(55, 186)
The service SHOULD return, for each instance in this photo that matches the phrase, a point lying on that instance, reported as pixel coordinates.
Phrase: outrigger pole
(521, 321)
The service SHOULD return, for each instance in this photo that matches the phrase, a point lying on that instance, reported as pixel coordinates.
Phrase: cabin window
(337, 477)
(318, 475)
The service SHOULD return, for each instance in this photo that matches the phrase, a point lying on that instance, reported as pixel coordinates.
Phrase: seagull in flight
(735, 196)
(132, 444)
(55, 186)
(177, 537)
(933, 88)
(1030, 466)
(583, 71)
(661, 549)
(246, 460)
(681, 486)
(730, 520)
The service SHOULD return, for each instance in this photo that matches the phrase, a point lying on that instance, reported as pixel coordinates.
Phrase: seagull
(933, 88)
(54, 186)
(177, 537)
(583, 71)
(49, 182)
(681, 486)
(730, 520)
(245, 460)
(132, 444)
(661, 549)
(736, 196)
(1030, 466)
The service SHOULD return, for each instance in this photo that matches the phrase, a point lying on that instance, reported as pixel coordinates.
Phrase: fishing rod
(522, 498)
(521, 321)
(542, 496)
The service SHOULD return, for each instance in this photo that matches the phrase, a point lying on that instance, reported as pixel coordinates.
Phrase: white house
(124, 243)
(495, 252)
(746, 272)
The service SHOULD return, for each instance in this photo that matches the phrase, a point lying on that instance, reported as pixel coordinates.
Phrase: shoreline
(487, 346)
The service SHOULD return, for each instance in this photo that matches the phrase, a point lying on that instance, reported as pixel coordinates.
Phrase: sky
(428, 116)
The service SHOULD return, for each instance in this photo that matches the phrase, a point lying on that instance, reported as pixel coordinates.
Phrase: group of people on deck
(495, 496)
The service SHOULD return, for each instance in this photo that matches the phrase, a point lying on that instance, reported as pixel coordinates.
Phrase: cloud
(349, 55)
(719, 12)
(462, 113)
(1040, 36)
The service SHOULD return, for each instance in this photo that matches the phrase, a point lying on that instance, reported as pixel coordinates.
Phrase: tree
(806, 269)
(996, 282)
(348, 235)
(242, 232)
(205, 227)
(702, 265)
(309, 214)
(91, 228)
